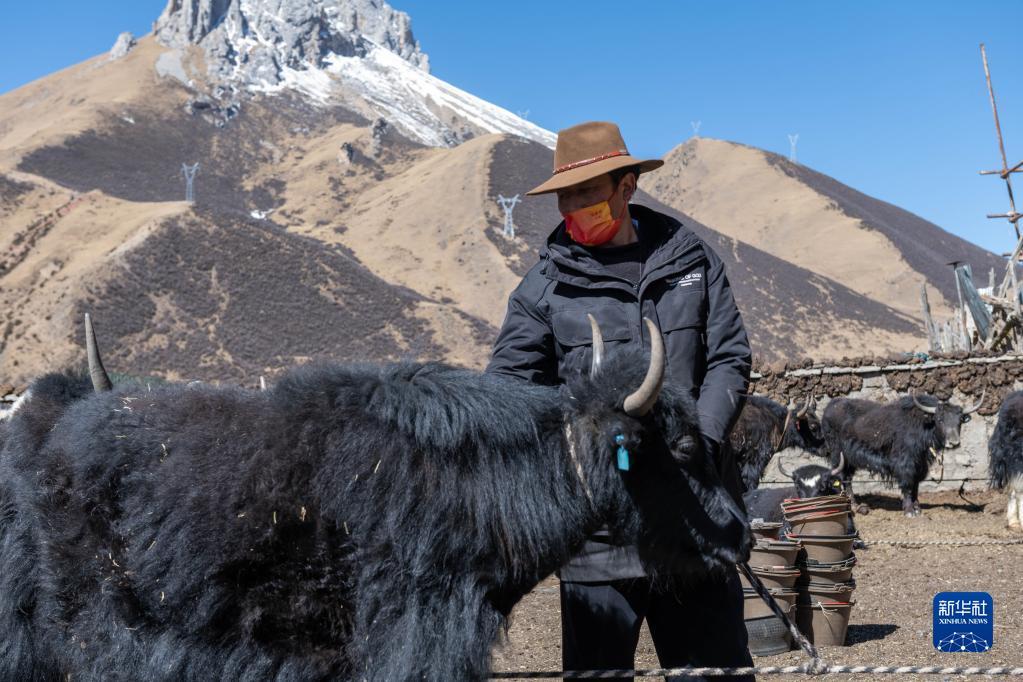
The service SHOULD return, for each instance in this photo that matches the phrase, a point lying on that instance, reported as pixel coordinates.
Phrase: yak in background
(897, 441)
(353, 522)
(765, 428)
(1005, 450)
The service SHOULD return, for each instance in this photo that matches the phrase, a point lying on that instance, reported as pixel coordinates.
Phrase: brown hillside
(789, 311)
(319, 234)
(790, 211)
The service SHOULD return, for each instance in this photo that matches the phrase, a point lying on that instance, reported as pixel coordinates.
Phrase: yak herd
(380, 522)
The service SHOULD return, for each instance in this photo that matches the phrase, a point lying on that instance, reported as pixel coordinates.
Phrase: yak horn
(639, 402)
(979, 403)
(598, 346)
(841, 465)
(924, 408)
(806, 408)
(100, 380)
(782, 471)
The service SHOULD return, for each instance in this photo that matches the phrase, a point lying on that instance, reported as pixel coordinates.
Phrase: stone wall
(962, 379)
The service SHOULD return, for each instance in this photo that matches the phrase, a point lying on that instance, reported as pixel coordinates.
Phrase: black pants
(699, 623)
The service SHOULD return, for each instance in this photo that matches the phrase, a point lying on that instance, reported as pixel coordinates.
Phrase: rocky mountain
(256, 41)
(346, 208)
(360, 54)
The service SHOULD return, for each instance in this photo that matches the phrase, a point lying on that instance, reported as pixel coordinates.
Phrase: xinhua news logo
(964, 622)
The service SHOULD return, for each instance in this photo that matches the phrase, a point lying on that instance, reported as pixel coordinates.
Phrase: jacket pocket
(681, 309)
(682, 321)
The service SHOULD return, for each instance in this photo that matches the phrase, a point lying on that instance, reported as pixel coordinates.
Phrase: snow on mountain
(359, 54)
(257, 39)
(424, 107)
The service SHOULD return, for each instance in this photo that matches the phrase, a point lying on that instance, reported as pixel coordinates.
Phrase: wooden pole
(1014, 218)
(933, 343)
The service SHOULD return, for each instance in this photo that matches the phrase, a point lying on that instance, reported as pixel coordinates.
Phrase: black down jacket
(683, 289)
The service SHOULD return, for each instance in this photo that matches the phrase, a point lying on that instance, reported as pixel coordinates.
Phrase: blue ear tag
(623, 454)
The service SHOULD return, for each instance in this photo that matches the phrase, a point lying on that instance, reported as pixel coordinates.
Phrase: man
(621, 262)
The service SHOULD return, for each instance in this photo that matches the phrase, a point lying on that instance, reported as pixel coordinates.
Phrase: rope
(765, 594)
(943, 543)
(805, 669)
(788, 481)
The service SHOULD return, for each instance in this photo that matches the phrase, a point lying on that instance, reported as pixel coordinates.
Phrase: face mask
(593, 225)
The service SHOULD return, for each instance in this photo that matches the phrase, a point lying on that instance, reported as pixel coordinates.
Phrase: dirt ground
(891, 622)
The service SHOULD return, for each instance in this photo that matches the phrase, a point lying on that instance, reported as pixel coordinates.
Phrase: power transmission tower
(508, 204)
(696, 127)
(792, 147)
(189, 172)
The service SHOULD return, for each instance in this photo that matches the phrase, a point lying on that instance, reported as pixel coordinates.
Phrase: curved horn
(643, 398)
(598, 346)
(924, 408)
(781, 470)
(100, 380)
(841, 465)
(979, 403)
(806, 408)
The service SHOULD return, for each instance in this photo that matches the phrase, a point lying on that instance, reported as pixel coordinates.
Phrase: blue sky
(888, 97)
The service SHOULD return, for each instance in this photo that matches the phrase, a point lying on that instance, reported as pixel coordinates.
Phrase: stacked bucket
(773, 560)
(824, 586)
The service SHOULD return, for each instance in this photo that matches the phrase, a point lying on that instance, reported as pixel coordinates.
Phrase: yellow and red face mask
(593, 225)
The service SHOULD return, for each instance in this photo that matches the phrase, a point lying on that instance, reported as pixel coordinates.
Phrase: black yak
(814, 480)
(810, 480)
(765, 428)
(352, 522)
(1005, 450)
(897, 441)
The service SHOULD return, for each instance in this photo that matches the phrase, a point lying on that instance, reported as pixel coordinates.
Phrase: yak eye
(965, 418)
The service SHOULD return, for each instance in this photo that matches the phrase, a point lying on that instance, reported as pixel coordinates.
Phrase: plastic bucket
(768, 635)
(774, 578)
(754, 607)
(813, 592)
(824, 623)
(825, 548)
(819, 522)
(826, 576)
(814, 565)
(774, 553)
(766, 530)
(790, 512)
(796, 503)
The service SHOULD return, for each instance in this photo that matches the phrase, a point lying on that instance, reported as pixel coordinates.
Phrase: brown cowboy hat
(588, 150)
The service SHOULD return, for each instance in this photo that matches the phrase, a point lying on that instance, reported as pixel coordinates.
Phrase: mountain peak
(257, 41)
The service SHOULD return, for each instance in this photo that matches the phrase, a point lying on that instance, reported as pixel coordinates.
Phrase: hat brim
(592, 170)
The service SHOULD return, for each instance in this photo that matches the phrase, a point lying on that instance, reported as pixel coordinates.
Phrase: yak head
(803, 428)
(814, 480)
(945, 418)
(651, 475)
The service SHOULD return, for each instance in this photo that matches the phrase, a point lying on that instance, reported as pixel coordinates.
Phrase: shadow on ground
(869, 632)
(892, 503)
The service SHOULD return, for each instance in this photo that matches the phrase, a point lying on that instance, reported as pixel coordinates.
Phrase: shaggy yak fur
(896, 441)
(765, 428)
(353, 522)
(1005, 450)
